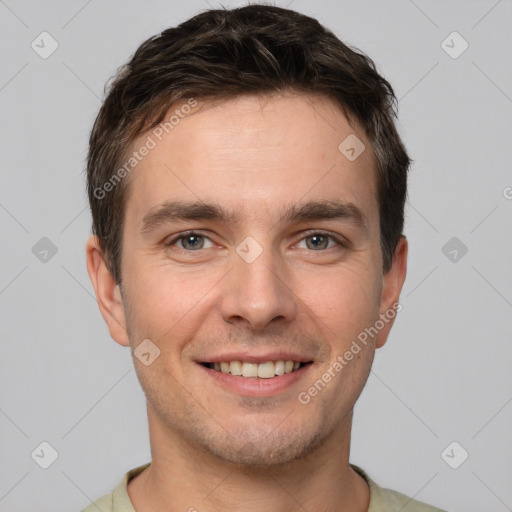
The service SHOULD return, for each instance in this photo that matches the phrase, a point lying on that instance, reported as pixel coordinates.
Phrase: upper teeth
(264, 370)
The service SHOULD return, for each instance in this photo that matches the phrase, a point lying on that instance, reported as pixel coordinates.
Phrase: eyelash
(185, 234)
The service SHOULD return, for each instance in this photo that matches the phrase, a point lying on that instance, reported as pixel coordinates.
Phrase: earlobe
(392, 286)
(107, 292)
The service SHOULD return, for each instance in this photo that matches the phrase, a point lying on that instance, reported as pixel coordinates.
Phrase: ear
(107, 292)
(392, 284)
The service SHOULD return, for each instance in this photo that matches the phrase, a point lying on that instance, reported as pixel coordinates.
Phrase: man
(247, 187)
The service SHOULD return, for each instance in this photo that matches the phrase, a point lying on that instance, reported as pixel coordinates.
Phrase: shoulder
(118, 501)
(387, 500)
(392, 501)
(104, 504)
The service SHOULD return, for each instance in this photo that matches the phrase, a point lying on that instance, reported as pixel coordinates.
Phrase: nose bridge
(257, 290)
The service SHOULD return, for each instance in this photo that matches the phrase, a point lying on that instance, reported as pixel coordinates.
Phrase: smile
(264, 370)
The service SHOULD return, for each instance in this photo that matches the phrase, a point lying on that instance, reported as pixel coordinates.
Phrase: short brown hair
(225, 53)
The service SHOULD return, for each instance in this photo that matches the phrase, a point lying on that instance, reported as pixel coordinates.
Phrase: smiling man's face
(283, 263)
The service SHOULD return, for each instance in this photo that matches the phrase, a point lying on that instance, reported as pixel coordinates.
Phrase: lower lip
(256, 386)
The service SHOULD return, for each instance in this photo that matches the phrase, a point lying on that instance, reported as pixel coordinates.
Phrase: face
(251, 240)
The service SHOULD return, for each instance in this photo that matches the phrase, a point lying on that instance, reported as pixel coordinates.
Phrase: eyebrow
(173, 211)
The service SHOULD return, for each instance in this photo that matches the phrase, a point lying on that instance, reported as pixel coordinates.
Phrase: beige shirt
(381, 500)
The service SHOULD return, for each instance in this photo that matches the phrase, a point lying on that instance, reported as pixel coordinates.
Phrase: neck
(182, 477)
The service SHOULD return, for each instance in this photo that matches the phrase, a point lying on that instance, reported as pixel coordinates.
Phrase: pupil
(318, 240)
(190, 240)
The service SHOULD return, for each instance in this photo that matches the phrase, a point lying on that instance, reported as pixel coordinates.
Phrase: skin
(213, 449)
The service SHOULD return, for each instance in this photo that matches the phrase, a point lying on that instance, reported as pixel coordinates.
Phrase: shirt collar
(121, 501)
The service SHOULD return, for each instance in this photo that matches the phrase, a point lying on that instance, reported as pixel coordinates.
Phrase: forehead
(253, 153)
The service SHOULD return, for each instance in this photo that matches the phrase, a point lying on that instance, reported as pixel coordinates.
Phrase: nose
(258, 293)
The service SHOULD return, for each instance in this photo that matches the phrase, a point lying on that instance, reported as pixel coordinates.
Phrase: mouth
(255, 370)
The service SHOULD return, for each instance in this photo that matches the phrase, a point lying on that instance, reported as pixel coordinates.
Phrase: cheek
(346, 301)
(168, 301)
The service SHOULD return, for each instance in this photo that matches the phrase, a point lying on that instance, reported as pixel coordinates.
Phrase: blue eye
(320, 241)
(189, 241)
(194, 241)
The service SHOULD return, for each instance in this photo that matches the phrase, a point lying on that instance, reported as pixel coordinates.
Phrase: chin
(262, 449)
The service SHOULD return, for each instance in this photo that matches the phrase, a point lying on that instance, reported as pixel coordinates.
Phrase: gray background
(444, 374)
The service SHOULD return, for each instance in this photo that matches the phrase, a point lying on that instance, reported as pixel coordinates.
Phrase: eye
(193, 241)
(190, 241)
(320, 241)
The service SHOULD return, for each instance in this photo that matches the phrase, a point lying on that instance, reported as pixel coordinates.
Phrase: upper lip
(251, 357)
